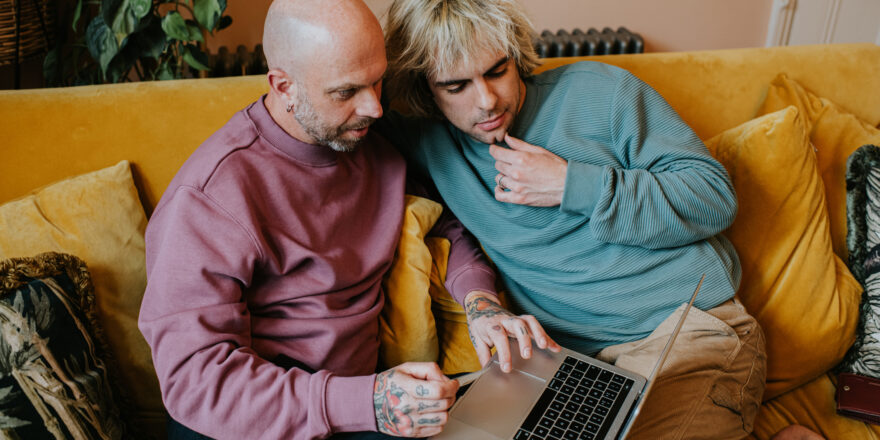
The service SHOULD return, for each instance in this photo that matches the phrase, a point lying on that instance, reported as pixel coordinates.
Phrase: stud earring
(289, 107)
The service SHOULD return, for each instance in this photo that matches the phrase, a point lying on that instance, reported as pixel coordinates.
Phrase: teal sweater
(640, 218)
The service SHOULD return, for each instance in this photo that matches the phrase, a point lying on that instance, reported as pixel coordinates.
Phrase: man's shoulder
(579, 71)
(238, 134)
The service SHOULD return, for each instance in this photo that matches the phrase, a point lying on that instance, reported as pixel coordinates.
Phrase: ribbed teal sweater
(640, 218)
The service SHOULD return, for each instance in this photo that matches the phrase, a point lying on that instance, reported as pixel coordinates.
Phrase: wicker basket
(32, 37)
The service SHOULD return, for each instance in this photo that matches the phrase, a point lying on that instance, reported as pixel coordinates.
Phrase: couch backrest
(49, 134)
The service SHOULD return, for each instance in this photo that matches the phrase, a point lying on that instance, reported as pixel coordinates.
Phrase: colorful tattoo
(481, 307)
(392, 417)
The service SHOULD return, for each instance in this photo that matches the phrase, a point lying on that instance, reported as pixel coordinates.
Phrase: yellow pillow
(420, 321)
(457, 353)
(97, 217)
(802, 294)
(406, 326)
(835, 133)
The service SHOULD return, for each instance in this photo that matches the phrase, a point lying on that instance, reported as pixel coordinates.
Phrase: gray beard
(324, 135)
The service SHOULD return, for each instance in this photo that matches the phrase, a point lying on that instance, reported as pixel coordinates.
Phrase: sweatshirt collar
(314, 155)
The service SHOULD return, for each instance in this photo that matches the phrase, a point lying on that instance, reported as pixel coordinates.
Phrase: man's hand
(490, 325)
(528, 174)
(411, 399)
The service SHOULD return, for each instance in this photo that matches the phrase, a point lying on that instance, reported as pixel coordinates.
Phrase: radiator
(592, 42)
(549, 45)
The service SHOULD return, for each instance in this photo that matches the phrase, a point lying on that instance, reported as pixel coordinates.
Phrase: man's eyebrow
(453, 82)
(345, 86)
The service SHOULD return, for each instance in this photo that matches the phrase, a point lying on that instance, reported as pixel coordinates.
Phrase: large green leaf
(208, 12)
(175, 26)
(101, 42)
(195, 57)
(124, 22)
(195, 32)
(141, 7)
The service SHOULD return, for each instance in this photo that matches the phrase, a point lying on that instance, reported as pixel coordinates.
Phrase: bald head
(301, 32)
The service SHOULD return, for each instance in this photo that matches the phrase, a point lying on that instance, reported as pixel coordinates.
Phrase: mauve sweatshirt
(263, 248)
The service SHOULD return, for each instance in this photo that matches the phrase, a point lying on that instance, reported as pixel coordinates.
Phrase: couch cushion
(406, 327)
(835, 133)
(97, 216)
(54, 379)
(421, 321)
(801, 293)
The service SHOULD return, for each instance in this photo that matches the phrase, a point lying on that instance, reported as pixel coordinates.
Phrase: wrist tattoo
(392, 415)
(481, 307)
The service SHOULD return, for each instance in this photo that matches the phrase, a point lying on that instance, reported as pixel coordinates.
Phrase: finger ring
(501, 183)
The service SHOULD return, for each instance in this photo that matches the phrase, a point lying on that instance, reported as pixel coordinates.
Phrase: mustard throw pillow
(406, 326)
(835, 133)
(801, 293)
(97, 217)
(420, 320)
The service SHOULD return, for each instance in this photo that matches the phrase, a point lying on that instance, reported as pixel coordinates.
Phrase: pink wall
(665, 25)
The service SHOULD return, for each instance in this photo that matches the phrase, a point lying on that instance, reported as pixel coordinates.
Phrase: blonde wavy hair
(425, 38)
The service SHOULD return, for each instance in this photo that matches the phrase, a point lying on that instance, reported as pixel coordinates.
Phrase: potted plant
(121, 40)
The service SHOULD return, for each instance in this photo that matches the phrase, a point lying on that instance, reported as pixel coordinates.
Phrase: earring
(289, 107)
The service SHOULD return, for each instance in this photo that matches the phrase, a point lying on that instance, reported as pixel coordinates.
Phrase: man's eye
(497, 73)
(455, 89)
(345, 94)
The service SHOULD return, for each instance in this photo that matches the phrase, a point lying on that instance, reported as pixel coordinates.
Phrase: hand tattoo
(423, 406)
(433, 421)
(421, 391)
(481, 307)
(392, 417)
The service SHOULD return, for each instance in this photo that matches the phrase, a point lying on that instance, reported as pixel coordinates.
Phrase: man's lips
(491, 124)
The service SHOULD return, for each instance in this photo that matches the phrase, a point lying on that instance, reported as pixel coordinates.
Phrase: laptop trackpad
(498, 402)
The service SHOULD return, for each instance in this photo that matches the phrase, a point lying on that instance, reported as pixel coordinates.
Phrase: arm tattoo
(392, 416)
(481, 307)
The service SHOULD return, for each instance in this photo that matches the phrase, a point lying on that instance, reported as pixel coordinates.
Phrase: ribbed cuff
(349, 403)
(470, 279)
(582, 185)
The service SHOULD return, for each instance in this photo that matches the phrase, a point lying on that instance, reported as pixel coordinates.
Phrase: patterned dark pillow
(863, 243)
(54, 381)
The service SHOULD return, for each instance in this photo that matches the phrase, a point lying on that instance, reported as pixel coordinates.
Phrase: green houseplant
(120, 40)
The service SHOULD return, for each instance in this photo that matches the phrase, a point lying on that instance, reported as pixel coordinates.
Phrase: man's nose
(369, 104)
(486, 97)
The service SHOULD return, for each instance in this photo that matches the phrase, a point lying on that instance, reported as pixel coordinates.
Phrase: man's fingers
(540, 335)
(502, 346)
(501, 154)
(423, 370)
(517, 328)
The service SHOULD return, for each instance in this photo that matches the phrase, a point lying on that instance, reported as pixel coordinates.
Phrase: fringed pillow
(863, 242)
(54, 379)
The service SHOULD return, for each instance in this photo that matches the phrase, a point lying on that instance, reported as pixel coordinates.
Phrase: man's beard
(332, 137)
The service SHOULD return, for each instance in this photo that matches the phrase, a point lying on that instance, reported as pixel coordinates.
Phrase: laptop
(564, 395)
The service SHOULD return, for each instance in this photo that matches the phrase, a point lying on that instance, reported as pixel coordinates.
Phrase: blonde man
(599, 205)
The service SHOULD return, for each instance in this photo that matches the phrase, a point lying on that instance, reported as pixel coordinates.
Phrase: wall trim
(830, 21)
(781, 19)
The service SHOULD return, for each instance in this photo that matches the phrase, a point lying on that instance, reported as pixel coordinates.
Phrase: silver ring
(501, 183)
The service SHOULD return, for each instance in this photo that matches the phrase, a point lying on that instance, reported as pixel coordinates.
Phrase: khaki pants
(711, 384)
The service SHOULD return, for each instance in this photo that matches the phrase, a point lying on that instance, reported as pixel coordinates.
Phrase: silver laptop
(564, 395)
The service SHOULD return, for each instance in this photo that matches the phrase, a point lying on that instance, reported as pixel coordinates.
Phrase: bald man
(266, 253)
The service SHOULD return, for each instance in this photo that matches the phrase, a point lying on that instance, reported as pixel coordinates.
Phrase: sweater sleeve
(467, 268)
(669, 190)
(195, 318)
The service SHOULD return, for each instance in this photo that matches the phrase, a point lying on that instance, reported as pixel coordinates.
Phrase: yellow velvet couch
(53, 134)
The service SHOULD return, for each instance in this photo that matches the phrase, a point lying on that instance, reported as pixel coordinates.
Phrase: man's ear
(282, 85)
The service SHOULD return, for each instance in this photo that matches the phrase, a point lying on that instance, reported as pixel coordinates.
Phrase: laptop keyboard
(580, 402)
